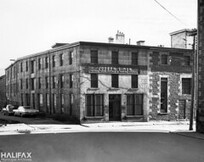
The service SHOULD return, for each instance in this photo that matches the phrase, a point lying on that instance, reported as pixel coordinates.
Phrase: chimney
(120, 37)
(110, 40)
(140, 42)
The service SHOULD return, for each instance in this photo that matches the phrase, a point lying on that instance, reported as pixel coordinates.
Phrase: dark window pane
(186, 85)
(114, 80)
(134, 58)
(187, 60)
(164, 59)
(134, 81)
(94, 56)
(114, 57)
(94, 80)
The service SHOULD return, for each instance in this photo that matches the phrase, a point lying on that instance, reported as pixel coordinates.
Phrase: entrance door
(182, 109)
(114, 107)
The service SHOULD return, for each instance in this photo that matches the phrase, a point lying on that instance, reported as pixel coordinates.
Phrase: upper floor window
(94, 56)
(39, 63)
(187, 60)
(32, 66)
(61, 56)
(186, 85)
(134, 81)
(164, 59)
(94, 80)
(46, 82)
(27, 83)
(32, 83)
(39, 83)
(134, 58)
(26, 65)
(46, 62)
(114, 57)
(62, 81)
(21, 66)
(70, 81)
(53, 61)
(70, 57)
(114, 80)
(54, 82)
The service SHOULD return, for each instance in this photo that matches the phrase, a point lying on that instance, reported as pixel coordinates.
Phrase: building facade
(200, 110)
(104, 82)
(2, 91)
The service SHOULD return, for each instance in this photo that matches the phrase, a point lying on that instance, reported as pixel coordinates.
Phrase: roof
(179, 31)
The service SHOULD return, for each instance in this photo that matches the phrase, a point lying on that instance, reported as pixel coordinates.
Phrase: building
(2, 91)
(104, 82)
(182, 39)
(200, 110)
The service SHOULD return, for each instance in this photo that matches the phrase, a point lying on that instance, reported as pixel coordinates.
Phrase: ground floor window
(135, 104)
(94, 104)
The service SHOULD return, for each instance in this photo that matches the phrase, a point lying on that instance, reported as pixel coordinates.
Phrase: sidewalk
(152, 126)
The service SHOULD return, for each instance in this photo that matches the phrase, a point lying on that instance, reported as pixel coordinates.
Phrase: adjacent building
(100, 82)
(2, 91)
(200, 110)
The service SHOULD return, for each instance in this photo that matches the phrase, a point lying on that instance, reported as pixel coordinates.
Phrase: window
(32, 83)
(46, 62)
(71, 99)
(134, 58)
(46, 82)
(114, 57)
(94, 56)
(21, 83)
(94, 80)
(22, 103)
(32, 66)
(26, 65)
(62, 103)
(54, 102)
(62, 81)
(40, 100)
(53, 61)
(134, 81)
(164, 92)
(39, 83)
(114, 80)
(164, 59)
(187, 60)
(27, 99)
(186, 85)
(47, 102)
(135, 104)
(54, 82)
(21, 66)
(70, 57)
(39, 63)
(70, 81)
(94, 105)
(26, 83)
(61, 59)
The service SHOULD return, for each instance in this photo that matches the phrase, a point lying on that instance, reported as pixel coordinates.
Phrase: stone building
(104, 82)
(200, 110)
(2, 91)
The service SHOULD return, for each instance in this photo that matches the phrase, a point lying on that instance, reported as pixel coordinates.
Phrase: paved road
(106, 147)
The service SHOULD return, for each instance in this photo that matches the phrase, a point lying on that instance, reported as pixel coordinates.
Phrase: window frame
(94, 56)
(94, 80)
(186, 90)
(114, 80)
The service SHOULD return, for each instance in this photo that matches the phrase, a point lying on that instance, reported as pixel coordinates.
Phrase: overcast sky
(31, 26)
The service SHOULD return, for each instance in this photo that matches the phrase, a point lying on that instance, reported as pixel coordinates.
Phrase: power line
(169, 12)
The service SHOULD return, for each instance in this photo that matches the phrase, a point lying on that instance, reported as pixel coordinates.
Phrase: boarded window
(94, 105)
(186, 85)
(135, 104)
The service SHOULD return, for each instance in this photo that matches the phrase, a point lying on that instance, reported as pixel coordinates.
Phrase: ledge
(163, 113)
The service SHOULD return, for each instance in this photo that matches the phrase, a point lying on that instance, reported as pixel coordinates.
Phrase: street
(106, 147)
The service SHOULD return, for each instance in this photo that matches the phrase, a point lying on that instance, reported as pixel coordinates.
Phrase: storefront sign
(111, 70)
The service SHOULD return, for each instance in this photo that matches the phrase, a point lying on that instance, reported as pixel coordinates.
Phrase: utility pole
(194, 79)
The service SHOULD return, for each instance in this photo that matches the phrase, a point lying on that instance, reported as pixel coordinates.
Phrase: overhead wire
(170, 12)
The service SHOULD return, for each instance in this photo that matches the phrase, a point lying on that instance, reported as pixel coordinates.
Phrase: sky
(32, 26)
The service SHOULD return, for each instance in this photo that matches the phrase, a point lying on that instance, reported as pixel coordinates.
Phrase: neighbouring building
(2, 91)
(200, 109)
(182, 39)
(104, 82)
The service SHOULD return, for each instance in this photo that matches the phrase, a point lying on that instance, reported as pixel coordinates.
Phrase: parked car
(25, 110)
(8, 110)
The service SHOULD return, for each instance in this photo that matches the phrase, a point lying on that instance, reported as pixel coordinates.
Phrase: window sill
(113, 89)
(163, 113)
(132, 89)
(93, 89)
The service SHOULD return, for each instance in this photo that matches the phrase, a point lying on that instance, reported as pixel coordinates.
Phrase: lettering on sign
(112, 70)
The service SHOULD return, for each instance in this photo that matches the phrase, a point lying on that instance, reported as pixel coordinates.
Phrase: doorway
(114, 107)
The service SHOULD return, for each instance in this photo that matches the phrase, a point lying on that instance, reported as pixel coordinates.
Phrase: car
(8, 110)
(25, 110)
